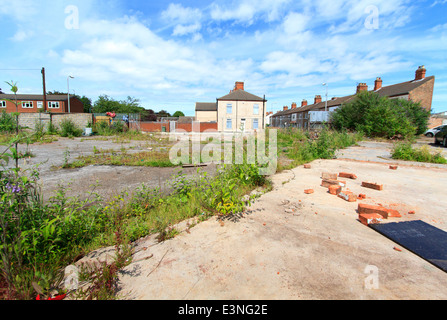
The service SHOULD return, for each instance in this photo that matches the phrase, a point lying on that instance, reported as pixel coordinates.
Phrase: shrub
(69, 129)
(377, 116)
(7, 123)
(405, 151)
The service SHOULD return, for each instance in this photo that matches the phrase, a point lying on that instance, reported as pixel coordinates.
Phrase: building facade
(34, 103)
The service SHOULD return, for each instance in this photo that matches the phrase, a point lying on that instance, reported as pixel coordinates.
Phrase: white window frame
(2, 103)
(294, 117)
(52, 103)
(230, 107)
(27, 104)
(256, 109)
(255, 121)
(229, 121)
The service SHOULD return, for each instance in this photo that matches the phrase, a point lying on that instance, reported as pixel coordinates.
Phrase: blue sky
(173, 54)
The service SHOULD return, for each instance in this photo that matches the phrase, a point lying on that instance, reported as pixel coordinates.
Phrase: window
(53, 105)
(256, 109)
(255, 123)
(229, 124)
(294, 117)
(229, 108)
(27, 104)
(3, 104)
(39, 104)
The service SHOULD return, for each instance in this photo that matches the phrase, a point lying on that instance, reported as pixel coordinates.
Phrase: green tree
(377, 116)
(178, 114)
(108, 104)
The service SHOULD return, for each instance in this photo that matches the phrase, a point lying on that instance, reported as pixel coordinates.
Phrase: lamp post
(68, 91)
(325, 106)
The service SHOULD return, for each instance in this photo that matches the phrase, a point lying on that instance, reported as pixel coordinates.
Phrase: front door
(243, 125)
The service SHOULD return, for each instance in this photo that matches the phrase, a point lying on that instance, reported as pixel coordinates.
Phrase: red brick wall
(157, 126)
(423, 94)
(76, 106)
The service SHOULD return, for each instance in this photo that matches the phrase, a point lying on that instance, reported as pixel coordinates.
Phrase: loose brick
(393, 167)
(412, 212)
(309, 191)
(307, 166)
(393, 213)
(347, 175)
(371, 209)
(327, 183)
(362, 196)
(348, 196)
(334, 189)
(370, 218)
(374, 186)
(329, 176)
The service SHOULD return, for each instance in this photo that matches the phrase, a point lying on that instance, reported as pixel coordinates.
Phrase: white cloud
(21, 35)
(181, 30)
(181, 15)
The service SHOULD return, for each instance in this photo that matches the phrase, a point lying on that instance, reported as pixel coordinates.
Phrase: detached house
(237, 111)
(311, 116)
(29, 103)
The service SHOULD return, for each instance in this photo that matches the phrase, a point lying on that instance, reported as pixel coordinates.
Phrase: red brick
(393, 213)
(370, 218)
(362, 196)
(371, 209)
(309, 191)
(393, 167)
(334, 189)
(412, 212)
(348, 196)
(327, 183)
(347, 175)
(307, 166)
(374, 186)
(329, 176)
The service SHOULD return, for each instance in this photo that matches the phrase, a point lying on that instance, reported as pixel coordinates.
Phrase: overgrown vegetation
(69, 129)
(381, 117)
(298, 147)
(406, 151)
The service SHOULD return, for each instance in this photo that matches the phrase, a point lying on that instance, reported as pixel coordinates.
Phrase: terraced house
(420, 89)
(30, 103)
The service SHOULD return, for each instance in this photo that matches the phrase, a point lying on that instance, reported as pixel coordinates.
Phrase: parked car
(433, 131)
(441, 137)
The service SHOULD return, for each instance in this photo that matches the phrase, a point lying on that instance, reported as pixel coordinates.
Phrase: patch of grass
(406, 151)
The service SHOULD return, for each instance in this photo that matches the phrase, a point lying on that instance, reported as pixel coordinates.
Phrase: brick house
(237, 111)
(420, 89)
(29, 103)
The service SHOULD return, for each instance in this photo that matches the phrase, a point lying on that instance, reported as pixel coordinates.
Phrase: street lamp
(325, 106)
(68, 91)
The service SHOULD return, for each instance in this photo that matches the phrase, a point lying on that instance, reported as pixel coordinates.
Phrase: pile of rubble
(368, 214)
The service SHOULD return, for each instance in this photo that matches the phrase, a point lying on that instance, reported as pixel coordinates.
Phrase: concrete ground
(293, 246)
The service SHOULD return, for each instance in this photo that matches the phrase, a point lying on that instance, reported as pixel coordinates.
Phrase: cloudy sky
(173, 54)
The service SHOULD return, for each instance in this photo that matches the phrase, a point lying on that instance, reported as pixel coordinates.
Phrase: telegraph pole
(44, 91)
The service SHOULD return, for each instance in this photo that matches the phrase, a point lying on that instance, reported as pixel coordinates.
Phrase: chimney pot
(378, 84)
(285, 108)
(303, 103)
(362, 87)
(293, 105)
(420, 73)
(239, 86)
(317, 99)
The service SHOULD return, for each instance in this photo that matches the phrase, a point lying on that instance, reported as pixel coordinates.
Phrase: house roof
(394, 90)
(240, 95)
(402, 88)
(34, 97)
(206, 106)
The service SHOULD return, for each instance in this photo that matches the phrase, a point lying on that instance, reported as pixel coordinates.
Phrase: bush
(405, 151)
(377, 116)
(7, 123)
(69, 129)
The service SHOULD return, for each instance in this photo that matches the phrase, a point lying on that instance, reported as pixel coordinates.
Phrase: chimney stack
(317, 99)
(239, 86)
(362, 87)
(293, 105)
(378, 84)
(420, 73)
(285, 108)
(303, 103)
